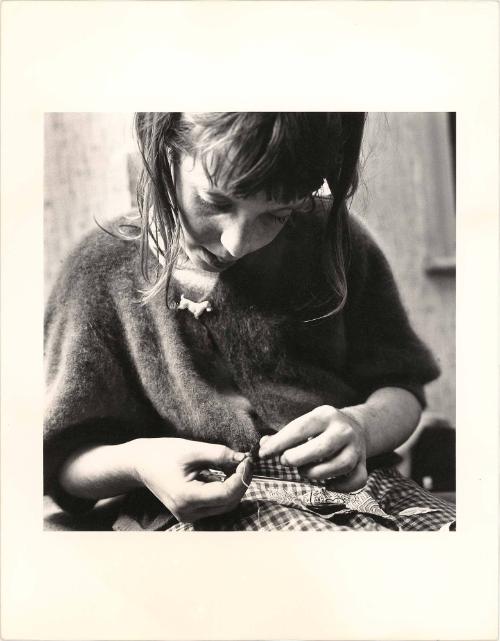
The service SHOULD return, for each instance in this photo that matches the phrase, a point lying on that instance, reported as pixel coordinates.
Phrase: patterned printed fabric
(280, 499)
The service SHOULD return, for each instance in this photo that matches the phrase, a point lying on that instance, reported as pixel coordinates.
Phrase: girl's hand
(170, 469)
(324, 444)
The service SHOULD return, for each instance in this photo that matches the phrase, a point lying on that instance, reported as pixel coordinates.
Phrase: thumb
(214, 455)
(239, 482)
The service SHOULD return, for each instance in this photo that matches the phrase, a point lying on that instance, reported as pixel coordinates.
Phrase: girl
(244, 361)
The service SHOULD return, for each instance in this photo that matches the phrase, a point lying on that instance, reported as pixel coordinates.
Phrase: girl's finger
(218, 456)
(228, 492)
(340, 465)
(319, 448)
(356, 480)
(297, 431)
(201, 495)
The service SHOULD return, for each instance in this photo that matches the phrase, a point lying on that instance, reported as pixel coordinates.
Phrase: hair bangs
(282, 155)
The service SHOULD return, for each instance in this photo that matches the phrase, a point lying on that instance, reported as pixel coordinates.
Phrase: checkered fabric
(280, 499)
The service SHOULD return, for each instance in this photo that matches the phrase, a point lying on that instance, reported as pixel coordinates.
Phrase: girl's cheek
(196, 222)
(207, 233)
(203, 226)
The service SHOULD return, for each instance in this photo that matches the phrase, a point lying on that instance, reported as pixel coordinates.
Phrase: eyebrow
(273, 211)
(216, 193)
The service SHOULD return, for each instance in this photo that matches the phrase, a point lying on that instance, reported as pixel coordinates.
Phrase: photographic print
(232, 353)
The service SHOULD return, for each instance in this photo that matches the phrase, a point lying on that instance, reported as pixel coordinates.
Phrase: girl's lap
(413, 507)
(278, 499)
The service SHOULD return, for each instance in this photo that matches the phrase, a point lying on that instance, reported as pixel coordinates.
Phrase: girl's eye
(215, 206)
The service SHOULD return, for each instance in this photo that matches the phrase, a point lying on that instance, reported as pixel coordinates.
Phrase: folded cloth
(279, 498)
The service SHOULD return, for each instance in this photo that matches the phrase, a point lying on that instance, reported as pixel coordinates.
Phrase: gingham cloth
(278, 498)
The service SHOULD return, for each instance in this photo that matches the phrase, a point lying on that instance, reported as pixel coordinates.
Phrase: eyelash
(214, 207)
(225, 207)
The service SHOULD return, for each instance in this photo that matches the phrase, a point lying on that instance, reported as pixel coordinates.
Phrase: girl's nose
(239, 239)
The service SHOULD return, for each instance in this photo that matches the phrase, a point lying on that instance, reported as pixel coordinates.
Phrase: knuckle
(340, 430)
(223, 450)
(314, 474)
(218, 450)
(325, 412)
(350, 460)
(232, 492)
(324, 449)
(224, 453)
(343, 469)
(226, 492)
(331, 433)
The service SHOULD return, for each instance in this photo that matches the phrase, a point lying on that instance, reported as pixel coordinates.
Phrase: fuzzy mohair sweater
(118, 369)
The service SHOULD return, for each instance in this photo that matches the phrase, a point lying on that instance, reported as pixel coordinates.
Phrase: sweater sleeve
(92, 396)
(383, 349)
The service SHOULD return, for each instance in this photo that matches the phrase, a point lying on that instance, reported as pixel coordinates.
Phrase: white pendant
(196, 309)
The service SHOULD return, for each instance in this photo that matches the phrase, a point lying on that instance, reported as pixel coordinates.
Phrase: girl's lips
(214, 261)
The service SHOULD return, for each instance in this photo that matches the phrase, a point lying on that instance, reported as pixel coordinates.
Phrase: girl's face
(218, 229)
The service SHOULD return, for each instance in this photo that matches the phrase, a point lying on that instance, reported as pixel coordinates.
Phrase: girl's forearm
(388, 418)
(100, 471)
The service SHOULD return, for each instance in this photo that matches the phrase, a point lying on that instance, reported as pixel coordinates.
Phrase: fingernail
(263, 439)
(239, 456)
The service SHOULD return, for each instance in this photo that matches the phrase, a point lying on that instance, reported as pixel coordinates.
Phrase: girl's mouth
(213, 261)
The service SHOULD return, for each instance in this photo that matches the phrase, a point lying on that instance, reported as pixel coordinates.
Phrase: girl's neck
(195, 284)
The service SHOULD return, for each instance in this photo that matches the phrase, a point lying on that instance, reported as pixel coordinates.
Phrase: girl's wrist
(387, 419)
(132, 456)
(357, 415)
(101, 471)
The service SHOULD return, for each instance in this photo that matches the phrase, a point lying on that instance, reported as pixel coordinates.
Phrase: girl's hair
(287, 156)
